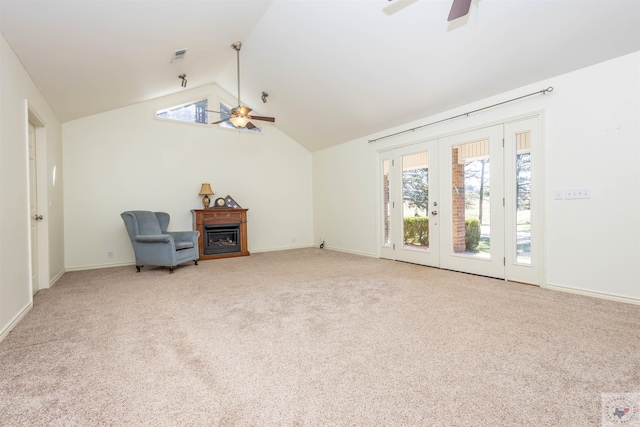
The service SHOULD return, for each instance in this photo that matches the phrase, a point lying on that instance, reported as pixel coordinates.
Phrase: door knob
(434, 212)
(38, 217)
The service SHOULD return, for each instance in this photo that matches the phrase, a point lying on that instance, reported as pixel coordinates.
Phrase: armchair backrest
(145, 223)
(163, 219)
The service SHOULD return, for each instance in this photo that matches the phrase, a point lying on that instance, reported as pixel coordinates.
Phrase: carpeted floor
(313, 337)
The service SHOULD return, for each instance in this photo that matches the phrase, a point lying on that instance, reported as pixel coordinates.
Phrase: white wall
(127, 159)
(592, 139)
(344, 197)
(16, 92)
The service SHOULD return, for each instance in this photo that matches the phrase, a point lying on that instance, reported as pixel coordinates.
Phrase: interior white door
(410, 204)
(472, 195)
(33, 208)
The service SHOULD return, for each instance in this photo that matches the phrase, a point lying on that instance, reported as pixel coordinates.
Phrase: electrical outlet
(109, 254)
(293, 240)
(584, 193)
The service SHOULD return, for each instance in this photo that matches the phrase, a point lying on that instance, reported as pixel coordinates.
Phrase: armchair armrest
(185, 235)
(153, 238)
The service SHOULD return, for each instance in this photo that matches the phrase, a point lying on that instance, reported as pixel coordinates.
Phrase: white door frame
(513, 271)
(397, 250)
(532, 272)
(42, 199)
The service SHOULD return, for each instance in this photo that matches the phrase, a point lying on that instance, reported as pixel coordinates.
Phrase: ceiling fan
(240, 115)
(459, 8)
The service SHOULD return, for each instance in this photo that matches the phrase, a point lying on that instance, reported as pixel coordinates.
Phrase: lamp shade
(205, 190)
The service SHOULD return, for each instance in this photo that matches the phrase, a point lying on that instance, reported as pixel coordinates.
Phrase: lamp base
(206, 201)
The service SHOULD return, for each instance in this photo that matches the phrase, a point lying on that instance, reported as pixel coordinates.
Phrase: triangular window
(193, 112)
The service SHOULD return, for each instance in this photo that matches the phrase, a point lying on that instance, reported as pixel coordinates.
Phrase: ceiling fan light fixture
(239, 121)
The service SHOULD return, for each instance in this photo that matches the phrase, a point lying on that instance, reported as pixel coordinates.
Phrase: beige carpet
(313, 337)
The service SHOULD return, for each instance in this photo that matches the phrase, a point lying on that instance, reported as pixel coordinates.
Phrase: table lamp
(206, 191)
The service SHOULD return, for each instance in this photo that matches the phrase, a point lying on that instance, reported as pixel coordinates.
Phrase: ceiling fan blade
(213, 111)
(459, 8)
(250, 125)
(263, 118)
(220, 121)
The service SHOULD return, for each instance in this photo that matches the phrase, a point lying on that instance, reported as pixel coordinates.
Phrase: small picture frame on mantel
(226, 202)
(230, 203)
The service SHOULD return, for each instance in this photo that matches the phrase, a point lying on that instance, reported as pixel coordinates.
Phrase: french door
(410, 204)
(472, 229)
(468, 202)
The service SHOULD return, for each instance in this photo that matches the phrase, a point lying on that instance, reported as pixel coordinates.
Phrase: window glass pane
(523, 198)
(471, 213)
(415, 200)
(386, 217)
(195, 112)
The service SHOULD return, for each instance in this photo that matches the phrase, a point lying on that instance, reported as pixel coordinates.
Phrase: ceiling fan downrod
(239, 116)
(237, 46)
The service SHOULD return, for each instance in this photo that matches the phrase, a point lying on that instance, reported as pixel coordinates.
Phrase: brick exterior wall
(459, 232)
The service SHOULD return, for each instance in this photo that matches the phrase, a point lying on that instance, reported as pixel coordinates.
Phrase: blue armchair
(153, 245)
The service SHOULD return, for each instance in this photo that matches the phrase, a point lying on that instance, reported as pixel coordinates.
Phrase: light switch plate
(578, 193)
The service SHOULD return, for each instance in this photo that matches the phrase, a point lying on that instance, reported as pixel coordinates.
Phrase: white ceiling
(335, 70)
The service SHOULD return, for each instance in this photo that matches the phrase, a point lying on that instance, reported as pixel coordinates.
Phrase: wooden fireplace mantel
(202, 217)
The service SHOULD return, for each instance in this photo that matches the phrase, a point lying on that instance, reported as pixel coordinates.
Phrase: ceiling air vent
(178, 55)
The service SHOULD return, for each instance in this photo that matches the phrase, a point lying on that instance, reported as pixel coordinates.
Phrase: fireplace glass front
(221, 238)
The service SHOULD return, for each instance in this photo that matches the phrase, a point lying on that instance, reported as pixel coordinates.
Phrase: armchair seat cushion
(183, 245)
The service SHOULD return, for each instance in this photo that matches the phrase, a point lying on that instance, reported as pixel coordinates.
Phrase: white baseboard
(15, 321)
(127, 264)
(594, 294)
(257, 251)
(97, 267)
(331, 248)
(56, 278)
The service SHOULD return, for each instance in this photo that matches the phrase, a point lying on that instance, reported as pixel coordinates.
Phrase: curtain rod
(543, 91)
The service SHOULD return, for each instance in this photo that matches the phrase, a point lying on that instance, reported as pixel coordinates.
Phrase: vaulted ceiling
(335, 70)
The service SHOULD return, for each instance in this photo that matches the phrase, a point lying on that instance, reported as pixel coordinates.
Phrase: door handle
(434, 213)
(38, 217)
